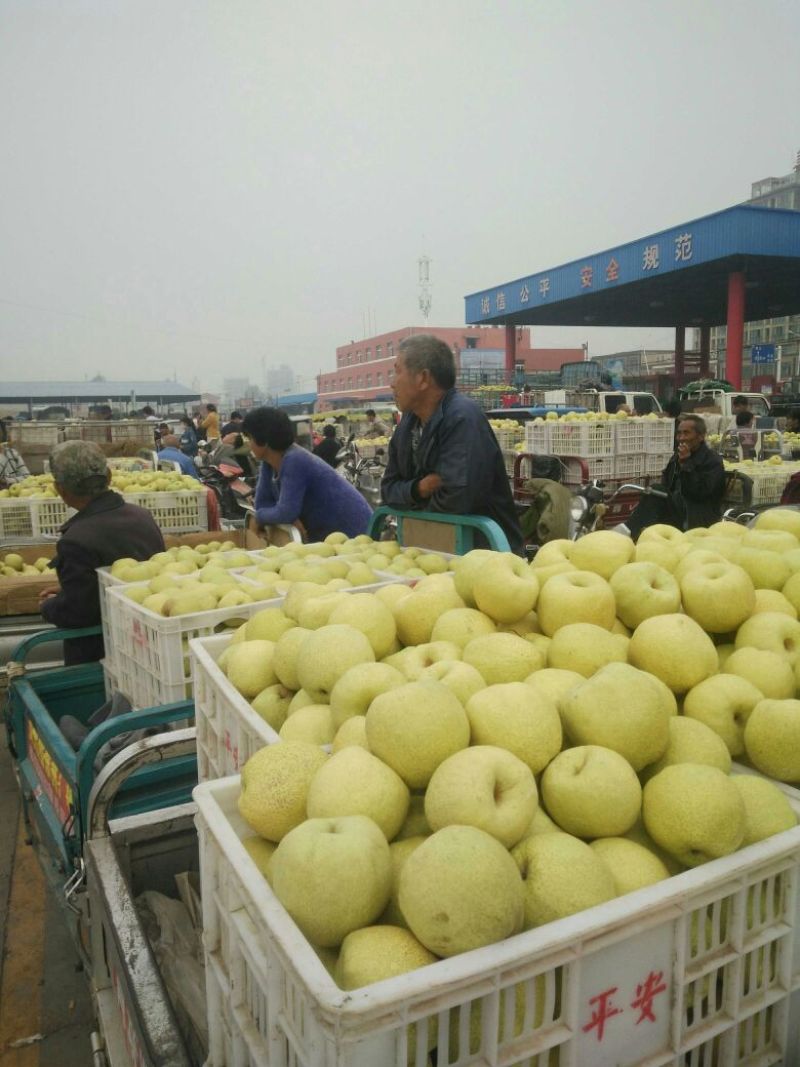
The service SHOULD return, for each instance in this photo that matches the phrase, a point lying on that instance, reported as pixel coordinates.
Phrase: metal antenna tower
(425, 288)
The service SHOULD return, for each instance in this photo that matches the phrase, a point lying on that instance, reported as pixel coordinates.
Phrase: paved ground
(45, 1007)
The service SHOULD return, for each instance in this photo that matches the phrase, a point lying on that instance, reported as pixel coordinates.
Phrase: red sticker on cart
(54, 785)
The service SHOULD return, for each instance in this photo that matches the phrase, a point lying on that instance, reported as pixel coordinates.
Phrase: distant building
(232, 390)
(364, 369)
(280, 380)
(782, 333)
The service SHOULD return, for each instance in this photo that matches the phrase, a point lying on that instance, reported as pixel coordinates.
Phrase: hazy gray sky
(193, 187)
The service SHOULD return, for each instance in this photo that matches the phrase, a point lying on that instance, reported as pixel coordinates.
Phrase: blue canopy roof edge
(734, 233)
(295, 398)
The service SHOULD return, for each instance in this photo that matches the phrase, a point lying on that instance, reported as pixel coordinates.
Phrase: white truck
(720, 401)
(596, 400)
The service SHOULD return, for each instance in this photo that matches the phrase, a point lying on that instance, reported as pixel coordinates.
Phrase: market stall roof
(290, 399)
(677, 277)
(77, 392)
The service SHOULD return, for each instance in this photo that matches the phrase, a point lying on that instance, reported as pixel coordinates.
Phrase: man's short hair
(328, 431)
(269, 426)
(370, 413)
(80, 467)
(169, 440)
(235, 415)
(739, 401)
(423, 351)
(744, 418)
(698, 423)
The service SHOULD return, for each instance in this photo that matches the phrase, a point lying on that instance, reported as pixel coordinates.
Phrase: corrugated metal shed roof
(24, 391)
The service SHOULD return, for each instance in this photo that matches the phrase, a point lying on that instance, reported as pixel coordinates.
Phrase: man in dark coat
(694, 478)
(104, 529)
(444, 456)
(329, 447)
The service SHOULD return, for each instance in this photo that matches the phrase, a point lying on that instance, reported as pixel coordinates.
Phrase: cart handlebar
(465, 527)
(124, 764)
(24, 647)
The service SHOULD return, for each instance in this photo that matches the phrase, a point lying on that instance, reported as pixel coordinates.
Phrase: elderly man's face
(688, 434)
(406, 385)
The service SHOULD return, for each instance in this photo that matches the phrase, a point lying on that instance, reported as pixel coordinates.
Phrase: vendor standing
(444, 456)
(104, 529)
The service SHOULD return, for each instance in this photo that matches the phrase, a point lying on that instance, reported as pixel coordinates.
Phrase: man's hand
(51, 590)
(428, 485)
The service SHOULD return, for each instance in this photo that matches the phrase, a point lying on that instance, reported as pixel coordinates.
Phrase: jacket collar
(106, 501)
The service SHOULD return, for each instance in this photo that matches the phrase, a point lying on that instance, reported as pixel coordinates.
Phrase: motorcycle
(232, 486)
(362, 472)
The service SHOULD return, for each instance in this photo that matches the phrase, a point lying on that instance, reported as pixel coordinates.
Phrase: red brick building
(364, 369)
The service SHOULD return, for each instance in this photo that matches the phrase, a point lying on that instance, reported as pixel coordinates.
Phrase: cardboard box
(203, 537)
(20, 595)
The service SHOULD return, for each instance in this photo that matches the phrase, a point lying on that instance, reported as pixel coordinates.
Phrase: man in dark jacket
(105, 529)
(444, 456)
(329, 447)
(694, 478)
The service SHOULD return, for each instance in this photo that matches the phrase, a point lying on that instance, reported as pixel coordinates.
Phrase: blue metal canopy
(675, 277)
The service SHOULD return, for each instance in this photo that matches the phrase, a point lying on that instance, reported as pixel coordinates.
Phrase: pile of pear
(504, 745)
(42, 486)
(338, 562)
(12, 565)
(188, 580)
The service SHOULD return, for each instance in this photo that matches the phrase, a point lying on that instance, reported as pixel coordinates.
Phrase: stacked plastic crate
(659, 438)
(699, 969)
(702, 968)
(591, 441)
(509, 434)
(629, 451)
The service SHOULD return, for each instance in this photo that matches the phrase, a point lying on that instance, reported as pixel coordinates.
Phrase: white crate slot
(696, 970)
(228, 730)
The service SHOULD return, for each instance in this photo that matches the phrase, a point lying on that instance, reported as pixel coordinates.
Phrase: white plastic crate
(537, 437)
(508, 436)
(509, 459)
(109, 679)
(155, 647)
(768, 486)
(601, 467)
(25, 517)
(175, 513)
(629, 466)
(228, 730)
(655, 462)
(659, 435)
(628, 436)
(695, 971)
(585, 439)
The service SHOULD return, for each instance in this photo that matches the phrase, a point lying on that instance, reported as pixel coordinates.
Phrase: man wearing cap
(104, 529)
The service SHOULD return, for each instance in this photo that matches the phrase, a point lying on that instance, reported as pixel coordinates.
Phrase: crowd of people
(442, 456)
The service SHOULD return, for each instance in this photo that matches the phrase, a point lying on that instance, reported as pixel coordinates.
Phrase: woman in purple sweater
(295, 486)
